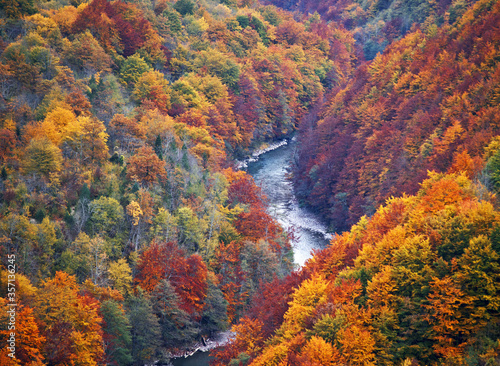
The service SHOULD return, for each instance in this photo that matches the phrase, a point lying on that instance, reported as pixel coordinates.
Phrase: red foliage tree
(117, 25)
(7, 143)
(79, 103)
(254, 223)
(227, 264)
(270, 302)
(188, 275)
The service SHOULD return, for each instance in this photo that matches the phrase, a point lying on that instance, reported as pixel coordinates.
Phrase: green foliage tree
(106, 215)
(42, 157)
(214, 317)
(173, 23)
(75, 260)
(117, 338)
(493, 170)
(218, 64)
(392, 293)
(145, 329)
(184, 7)
(479, 275)
(44, 249)
(87, 56)
(190, 228)
(132, 69)
(177, 328)
(17, 8)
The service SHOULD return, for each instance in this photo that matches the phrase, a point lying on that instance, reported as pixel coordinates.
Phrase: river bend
(271, 169)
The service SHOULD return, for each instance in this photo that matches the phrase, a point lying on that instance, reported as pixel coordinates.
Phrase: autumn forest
(128, 232)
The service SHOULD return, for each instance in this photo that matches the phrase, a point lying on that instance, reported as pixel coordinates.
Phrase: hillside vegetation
(416, 284)
(130, 232)
(429, 102)
(127, 234)
(403, 160)
(377, 23)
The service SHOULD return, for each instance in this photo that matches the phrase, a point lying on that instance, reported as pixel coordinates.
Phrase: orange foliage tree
(29, 343)
(71, 323)
(145, 166)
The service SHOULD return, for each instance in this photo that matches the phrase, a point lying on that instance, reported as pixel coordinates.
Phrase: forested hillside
(404, 160)
(430, 102)
(417, 284)
(376, 23)
(127, 233)
(130, 234)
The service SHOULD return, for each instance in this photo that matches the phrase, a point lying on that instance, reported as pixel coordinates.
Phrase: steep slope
(130, 233)
(430, 102)
(417, 284)
(376, 23)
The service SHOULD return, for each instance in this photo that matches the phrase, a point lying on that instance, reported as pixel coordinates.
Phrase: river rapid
(271, 169)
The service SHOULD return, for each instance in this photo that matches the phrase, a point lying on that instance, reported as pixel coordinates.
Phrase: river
(270, 169)
(198, 359)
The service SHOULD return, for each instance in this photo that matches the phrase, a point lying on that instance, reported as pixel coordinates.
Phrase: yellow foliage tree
(155, 123)
(59, 123)
(381, 288)
(43, 157)
(374, 256)
(120, 275)
(65, 17)
(146, 84)
(357, 346)
(87, 137)
(275, 355)
(72, 325)
(318, 352)
(134, 210)
(312, 293)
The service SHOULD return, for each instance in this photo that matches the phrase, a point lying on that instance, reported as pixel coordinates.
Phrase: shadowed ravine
(270, 170)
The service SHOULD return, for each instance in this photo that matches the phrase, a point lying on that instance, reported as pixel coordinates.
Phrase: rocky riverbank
(206, 345)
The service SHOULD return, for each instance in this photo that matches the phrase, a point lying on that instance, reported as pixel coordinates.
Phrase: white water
(256, 154)
(271, 170)
(199, 355)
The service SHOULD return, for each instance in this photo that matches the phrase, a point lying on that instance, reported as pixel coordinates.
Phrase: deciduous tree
(145, 167)
(72, 325)
(120, 275)
(29, 343)
(43, 157)
(188, 275)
